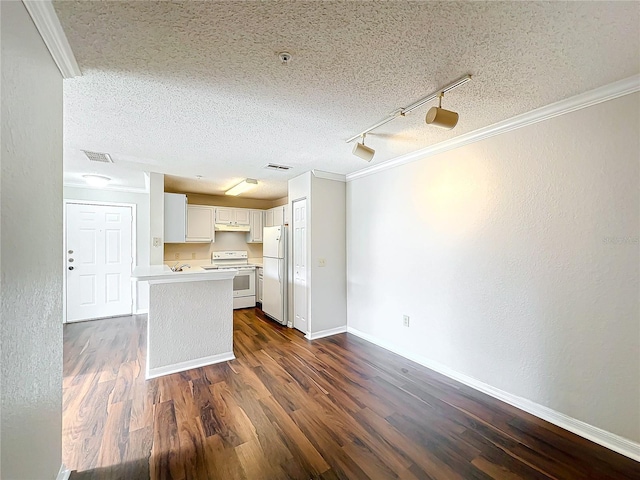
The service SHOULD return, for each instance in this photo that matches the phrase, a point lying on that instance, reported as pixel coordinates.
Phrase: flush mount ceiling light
(434, 117)
(243, 186)
(96, 180)
(362, 151)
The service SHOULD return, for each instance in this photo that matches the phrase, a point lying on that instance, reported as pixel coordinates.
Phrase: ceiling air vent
(273, 166)
(98, 157)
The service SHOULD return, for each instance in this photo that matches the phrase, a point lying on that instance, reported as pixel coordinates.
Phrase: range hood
(225, 227)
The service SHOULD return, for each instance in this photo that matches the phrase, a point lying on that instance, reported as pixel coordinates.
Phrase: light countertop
(163, 274)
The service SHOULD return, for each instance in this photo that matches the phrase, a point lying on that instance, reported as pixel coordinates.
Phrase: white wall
(143, 242)
(174, 344)
(31, 245)
(156, 217)
(517, 259)
(326, 239)
(328, 242)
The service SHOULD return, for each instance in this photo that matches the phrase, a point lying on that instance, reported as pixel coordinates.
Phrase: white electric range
(244, 283)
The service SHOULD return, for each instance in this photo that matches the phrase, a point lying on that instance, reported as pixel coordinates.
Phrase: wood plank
(334, 408)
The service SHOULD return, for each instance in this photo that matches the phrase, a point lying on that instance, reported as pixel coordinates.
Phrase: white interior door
(300, 299)
(98, 261)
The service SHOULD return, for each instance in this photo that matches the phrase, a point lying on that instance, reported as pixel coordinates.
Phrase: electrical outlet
(322, 262)
(157, 241)
(405, 320)
(193, 256)
(176, 256)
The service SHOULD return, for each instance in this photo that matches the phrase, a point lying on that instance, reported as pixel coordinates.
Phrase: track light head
(362, 151)
(439, 117)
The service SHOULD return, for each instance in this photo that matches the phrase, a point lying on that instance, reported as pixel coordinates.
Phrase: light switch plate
(322, 262)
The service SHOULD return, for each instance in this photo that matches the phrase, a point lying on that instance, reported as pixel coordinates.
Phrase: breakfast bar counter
(190, 321)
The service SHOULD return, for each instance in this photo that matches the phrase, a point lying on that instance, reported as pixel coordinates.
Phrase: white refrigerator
(274, 283)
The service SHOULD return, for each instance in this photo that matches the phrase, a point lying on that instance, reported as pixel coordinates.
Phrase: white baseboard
(141, 311)
(64, 473)
(182, 366)
(326, 333)
(609, 440)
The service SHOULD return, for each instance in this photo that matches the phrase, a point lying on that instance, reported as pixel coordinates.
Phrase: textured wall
(204, 311)
(31, 243)
(517, 259)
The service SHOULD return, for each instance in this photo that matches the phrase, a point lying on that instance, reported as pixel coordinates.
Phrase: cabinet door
(259, 284)
(225, 215)
(175, 217)
(255, 234)
(287, 214)
(268, 218)
(278, 216)
(243, 216)
(199, 223)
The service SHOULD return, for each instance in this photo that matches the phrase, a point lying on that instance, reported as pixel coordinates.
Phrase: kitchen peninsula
(190, 322)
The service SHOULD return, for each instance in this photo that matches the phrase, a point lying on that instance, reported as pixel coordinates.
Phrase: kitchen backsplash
(202, 251)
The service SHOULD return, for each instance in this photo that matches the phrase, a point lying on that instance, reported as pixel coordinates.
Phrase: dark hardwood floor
(288, 408)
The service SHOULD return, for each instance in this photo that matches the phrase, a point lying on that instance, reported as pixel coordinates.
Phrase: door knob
(70, 268)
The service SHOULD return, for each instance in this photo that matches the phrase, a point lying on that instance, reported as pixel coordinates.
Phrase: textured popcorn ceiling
(196, 88)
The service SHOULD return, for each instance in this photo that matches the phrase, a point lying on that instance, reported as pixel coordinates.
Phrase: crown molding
(571, 104)
(46, 21)
(338, 177)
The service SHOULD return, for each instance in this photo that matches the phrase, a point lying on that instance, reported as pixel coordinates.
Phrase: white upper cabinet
(225, 215)
(232, 216)
(268, 218)
(256, 225)
(200, 223)
(274, 217)
(243, 216)
(278, 216)
(175, 217)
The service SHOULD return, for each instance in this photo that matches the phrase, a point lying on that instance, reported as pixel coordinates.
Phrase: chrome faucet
(177, 268)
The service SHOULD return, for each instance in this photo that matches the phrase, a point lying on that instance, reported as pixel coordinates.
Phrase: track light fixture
(440, 117)
(437, 116)
(362, 151)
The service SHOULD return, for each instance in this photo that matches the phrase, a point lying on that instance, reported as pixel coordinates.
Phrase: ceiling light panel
(242, 187)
